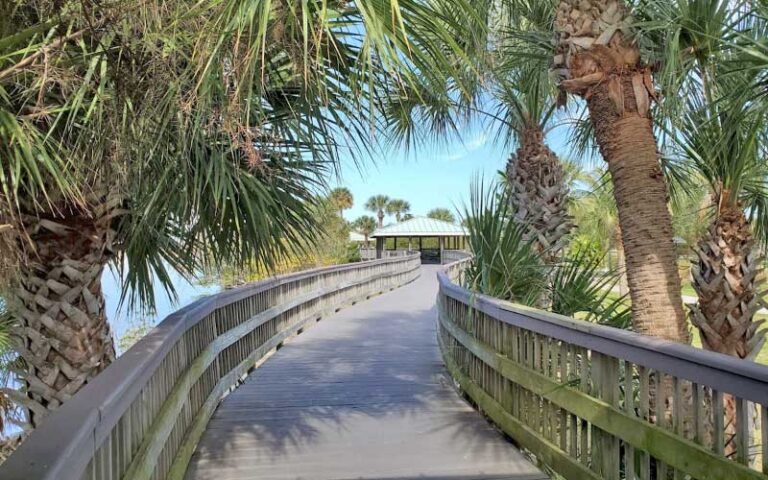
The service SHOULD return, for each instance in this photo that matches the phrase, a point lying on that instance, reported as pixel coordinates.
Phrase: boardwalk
(361, 395)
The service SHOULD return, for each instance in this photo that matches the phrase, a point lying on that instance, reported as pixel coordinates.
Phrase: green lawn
(688, 289)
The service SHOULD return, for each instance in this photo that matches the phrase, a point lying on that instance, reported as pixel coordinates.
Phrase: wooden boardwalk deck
(362, 395)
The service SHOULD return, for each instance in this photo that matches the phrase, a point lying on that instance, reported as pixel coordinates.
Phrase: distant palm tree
(442, 214)
(398, 208)
(366, 225)
(342, 199)
(378, 204)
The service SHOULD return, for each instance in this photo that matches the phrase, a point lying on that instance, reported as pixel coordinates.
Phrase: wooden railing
(142, 417)
(599, 403)
(451, 256)
(370, 253)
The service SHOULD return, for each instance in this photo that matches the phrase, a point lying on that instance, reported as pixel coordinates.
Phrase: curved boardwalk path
(362, 395)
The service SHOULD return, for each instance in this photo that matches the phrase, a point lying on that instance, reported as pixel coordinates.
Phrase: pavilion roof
(421, 227)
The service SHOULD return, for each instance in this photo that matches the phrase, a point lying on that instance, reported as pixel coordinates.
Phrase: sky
(431, 176)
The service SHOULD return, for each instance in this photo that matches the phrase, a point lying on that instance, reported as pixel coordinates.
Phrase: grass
(688, 289)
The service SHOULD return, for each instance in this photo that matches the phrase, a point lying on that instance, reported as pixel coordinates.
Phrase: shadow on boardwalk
(363, 394)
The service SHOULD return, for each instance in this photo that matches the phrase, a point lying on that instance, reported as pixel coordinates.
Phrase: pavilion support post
(379, 247)
(442, 247)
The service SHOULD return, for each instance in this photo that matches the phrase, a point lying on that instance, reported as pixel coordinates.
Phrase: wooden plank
(719, 428)
(644, 407)
(742, 431)
(142, 466)
(629, 407)
(764, 437)
(181, 460)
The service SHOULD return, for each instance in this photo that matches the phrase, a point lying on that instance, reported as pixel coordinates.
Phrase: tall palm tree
(723, 141)
(722, 135)
(442, 214)
(378, 205)
(535, 177)
(173, 136)
(398, 208)
(598, 59)
(342, 198)
(366, 225)
(719, 130)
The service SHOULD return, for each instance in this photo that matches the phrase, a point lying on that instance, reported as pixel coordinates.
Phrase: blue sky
(432, 176)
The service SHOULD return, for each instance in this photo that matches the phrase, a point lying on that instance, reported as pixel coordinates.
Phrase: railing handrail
(66, 440)
(748, 380)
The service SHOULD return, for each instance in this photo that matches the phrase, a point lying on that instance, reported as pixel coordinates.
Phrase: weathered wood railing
(451, 256)
(141, 418)
(595, 402)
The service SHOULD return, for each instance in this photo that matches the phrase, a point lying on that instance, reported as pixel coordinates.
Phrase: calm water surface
(121, 319)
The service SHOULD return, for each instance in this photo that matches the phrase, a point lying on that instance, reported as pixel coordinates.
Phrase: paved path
(361, 395)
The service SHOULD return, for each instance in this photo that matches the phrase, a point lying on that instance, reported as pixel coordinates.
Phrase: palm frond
(504, 264)
(580, 285)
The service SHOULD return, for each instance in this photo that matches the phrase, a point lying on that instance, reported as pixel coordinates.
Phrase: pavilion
(435, 239)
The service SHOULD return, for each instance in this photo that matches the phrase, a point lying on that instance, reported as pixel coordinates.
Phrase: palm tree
(442, 214)
(398, 208)
(378, 205)
(718, 129)
(342, 198)
(366, 225)
(174, 137)
(535, 177)
(722, 141)
(598, 59)
(721, 134)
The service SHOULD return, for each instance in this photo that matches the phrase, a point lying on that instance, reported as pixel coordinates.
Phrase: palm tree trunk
(725, 280)
(539, 194)
(597, 60)
(628, 145)
(381, 218)
(63, 335)
(621, 265)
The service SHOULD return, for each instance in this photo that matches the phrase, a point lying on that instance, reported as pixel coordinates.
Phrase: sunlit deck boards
(362, 395)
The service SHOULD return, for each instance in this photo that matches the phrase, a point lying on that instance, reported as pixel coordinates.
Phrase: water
(121, 320)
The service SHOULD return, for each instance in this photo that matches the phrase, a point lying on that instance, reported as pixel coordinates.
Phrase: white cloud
(477, 142)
